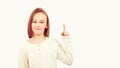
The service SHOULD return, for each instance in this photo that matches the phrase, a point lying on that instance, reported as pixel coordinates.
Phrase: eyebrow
(40, 20)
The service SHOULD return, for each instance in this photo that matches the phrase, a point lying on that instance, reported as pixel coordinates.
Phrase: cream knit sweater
(44, 55)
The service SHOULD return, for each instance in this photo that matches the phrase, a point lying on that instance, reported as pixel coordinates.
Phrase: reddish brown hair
(30, 32)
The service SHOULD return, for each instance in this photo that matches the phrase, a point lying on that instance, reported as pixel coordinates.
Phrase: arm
(22, 58)
(65, 55)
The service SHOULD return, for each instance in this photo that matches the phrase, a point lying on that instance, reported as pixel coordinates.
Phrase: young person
(40, 51)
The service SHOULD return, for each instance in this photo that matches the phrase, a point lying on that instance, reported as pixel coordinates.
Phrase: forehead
(39, 15)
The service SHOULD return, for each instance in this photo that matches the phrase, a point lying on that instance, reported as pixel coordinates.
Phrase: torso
(42, 53)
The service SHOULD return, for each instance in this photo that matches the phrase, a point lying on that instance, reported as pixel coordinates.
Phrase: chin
(38, 32)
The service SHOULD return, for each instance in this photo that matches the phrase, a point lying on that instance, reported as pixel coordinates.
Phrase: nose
(38, 24)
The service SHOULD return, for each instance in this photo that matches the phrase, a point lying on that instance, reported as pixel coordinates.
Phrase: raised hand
(64, 33)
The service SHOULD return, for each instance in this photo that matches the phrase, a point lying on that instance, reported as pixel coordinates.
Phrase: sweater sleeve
(22, 58)
(65, 55)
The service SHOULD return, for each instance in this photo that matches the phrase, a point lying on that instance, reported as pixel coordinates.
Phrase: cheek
(44, 25)
(32, 26)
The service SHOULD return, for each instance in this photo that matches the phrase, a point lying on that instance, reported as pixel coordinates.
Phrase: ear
(46, 26)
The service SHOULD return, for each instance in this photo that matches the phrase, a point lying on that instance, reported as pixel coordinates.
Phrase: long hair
(30, 32)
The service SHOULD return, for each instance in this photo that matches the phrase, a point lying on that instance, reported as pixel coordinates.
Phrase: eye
(34, 21)
(41, 22)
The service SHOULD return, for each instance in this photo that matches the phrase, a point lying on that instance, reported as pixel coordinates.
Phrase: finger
(64, 27)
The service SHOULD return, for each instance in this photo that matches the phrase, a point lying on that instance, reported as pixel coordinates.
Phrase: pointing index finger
(64, 27)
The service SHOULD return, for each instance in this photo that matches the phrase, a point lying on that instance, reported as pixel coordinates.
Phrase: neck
(38, 37)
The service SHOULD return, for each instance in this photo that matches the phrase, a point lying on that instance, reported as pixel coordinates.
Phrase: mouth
(38, 28)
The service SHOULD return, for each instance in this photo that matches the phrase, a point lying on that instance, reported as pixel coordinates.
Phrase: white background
(94, 26)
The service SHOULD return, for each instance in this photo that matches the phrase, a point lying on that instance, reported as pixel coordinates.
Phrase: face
(39, 23)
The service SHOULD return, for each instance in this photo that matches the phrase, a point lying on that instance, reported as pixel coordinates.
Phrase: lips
(38, 28)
